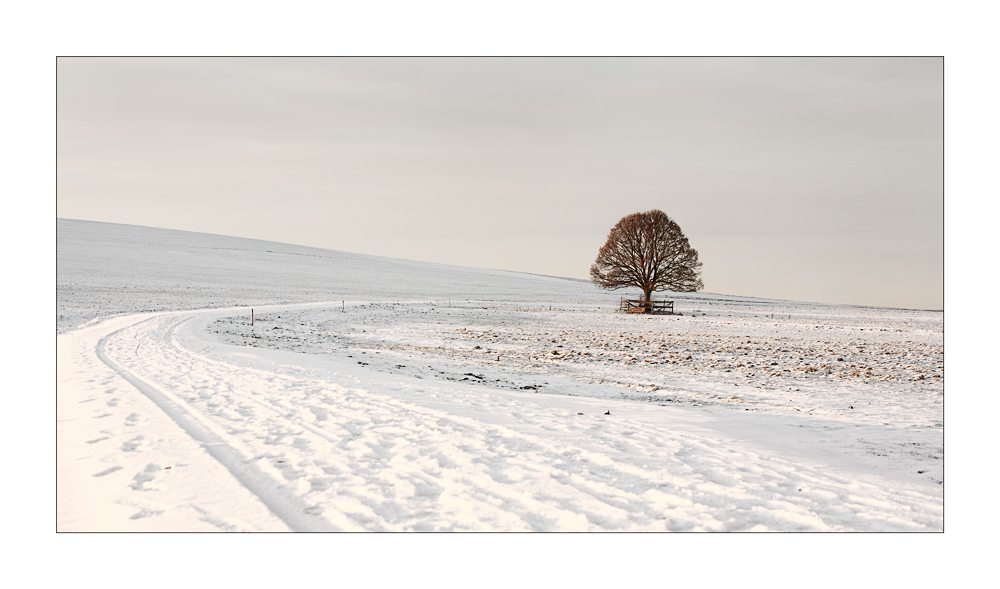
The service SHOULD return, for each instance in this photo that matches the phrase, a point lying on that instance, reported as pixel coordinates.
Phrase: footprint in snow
(133, 444)
(107, 471)
(140, 479)
(146, 512)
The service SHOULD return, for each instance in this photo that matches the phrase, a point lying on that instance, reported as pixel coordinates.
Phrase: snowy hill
(107, 268)
(447, 398)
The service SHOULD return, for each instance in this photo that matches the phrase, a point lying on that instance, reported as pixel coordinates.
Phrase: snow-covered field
(380, 394)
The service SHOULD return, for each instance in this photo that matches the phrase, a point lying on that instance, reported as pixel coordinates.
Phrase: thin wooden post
(251, 316)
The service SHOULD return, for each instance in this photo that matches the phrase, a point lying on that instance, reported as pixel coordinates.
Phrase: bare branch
(647, 251)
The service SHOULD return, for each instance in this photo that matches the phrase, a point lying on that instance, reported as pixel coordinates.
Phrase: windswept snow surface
(444, 398)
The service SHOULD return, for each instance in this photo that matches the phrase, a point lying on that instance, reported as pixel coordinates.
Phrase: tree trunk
(647, 294)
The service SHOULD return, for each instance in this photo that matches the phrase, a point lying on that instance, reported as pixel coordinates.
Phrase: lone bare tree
(647, 251)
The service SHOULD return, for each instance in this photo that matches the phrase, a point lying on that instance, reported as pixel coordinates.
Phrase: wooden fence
(652, 307)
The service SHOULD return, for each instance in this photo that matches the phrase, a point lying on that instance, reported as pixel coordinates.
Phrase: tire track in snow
(285, 506)
(375, 409)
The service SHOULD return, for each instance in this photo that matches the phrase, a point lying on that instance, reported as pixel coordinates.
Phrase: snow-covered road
(163, 427)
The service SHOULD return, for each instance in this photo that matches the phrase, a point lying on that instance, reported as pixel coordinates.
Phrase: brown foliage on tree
(650, 252)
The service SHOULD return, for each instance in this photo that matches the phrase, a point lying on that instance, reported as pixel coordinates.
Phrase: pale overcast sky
(815, 179)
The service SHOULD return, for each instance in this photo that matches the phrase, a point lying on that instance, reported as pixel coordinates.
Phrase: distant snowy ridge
(106, 269)
(109, 269)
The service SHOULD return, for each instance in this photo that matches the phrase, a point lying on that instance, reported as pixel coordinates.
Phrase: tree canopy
(650, 252)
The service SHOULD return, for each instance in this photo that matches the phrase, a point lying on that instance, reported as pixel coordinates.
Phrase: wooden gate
(651, 307)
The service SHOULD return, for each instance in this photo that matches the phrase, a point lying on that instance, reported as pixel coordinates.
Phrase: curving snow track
(267, 440)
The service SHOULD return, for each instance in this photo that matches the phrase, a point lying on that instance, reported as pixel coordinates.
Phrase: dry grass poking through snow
(862, 363)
